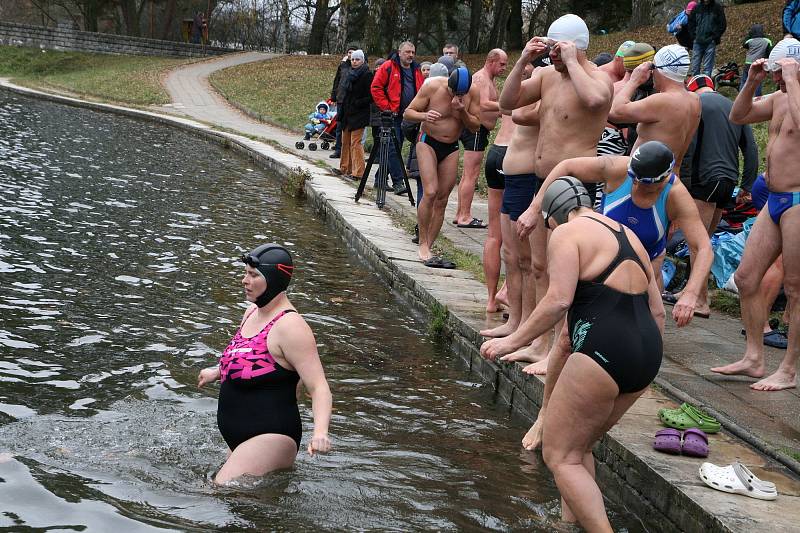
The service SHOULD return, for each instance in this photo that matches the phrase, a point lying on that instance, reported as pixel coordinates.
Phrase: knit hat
(637, 54)
(673, 62)
(690, 6)
(448, 62)
(570, 28)
(358, 54)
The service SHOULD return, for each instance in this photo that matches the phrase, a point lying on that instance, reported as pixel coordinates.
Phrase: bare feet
(530, 354)
(533, 438)
(745, 367)
(502, 297)
(500, 331)
(538, 368)
(780, 380)
(494, 306)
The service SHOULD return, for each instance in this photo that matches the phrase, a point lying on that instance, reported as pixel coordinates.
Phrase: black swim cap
(460, 81)
(274, 262)
(652, 162)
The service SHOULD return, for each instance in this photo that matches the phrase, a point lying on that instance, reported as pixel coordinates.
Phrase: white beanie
(789, 47)
(358, 54)
(673, 62)
(570, 28)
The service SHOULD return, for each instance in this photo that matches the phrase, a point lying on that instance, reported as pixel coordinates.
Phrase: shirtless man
(493, 170)
(444, 106)
(575, 99)
(475, 142)
(777, 228)
(672, 114)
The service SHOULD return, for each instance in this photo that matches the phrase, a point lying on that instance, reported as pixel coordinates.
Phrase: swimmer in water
(272, 351)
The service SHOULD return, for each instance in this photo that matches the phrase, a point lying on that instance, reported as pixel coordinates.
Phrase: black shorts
(493, 168)
(475, 142)
(518, 194)
(716, 191)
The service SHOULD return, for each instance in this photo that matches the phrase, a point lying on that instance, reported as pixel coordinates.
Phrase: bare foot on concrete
(500, 331)
(530, 354)
(745, 367)
(494, 306)
(780, 380)
(538, 368)
(502, 297)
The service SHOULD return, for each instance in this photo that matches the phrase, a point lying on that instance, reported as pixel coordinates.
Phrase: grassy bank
(114, 78)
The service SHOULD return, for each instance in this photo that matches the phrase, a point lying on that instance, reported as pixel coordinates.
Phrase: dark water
(117, 284)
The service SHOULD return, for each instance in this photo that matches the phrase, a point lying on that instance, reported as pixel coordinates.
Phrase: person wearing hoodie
(341, 74)
(682, 33)
(758, 46)
(707, 25)
(354, 114)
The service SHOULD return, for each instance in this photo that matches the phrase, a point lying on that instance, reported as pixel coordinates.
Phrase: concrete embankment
(665, 492)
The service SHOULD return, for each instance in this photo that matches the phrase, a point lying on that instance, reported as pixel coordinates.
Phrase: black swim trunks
(493, 168)
(716, 191)
(441, 149)
(475, 142)
(518, 194)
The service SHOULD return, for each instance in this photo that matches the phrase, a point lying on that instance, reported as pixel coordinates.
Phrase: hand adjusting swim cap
(570, 28)
(786, 48)
(652, 162)
(673, 62)
(274, 262)
(563, 196)
(460, 81)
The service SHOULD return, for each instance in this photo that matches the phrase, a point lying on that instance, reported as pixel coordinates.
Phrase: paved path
(771, 417)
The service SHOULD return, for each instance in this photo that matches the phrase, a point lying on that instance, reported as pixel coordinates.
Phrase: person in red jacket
(394, 85)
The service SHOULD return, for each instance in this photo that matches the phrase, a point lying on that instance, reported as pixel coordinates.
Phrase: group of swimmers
(583, 286)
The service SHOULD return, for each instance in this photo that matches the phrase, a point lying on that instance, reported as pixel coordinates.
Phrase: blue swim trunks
(518, 194)
(780, 202)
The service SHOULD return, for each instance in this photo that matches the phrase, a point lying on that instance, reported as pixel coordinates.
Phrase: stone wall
(84, 41)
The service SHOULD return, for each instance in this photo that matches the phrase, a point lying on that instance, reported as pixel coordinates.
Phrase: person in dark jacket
(394, 85)
(707, 24)
(683, 35)
(341, 74)
(354, 114)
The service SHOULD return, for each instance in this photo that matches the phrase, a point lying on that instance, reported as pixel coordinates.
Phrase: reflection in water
(118, 283)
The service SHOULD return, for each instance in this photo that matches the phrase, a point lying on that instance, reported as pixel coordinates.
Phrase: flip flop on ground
(438, 262)
(475, 223)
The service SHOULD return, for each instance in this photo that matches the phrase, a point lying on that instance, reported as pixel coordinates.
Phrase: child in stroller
(322, 126)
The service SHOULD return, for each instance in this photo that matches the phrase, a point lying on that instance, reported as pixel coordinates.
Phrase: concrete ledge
(665, 492)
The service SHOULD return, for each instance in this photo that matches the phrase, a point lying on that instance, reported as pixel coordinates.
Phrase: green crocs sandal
(689, 416)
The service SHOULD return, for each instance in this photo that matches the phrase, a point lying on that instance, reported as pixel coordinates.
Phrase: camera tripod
(386, 139)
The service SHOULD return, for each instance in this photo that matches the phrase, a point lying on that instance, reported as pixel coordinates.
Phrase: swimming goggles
(651, 179)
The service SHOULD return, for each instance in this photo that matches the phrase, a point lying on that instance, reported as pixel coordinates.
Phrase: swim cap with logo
(570, 28)
(637, 54)
(673, 62)
(563, 196)
(698, 82)
(541, 61)
(274, 262)
(627, 45)
(652, 162)
(460, 81)
(786, 48)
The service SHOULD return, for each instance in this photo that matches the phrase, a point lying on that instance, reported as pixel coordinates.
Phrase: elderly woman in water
(272, 350)
(601, 277)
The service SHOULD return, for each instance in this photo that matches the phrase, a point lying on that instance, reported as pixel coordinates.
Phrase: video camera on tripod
(386, 139)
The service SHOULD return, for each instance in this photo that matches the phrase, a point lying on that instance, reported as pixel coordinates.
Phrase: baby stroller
(326, 137)
(727, 76)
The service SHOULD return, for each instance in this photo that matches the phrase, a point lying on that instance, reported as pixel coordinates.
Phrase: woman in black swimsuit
(272, 350)
(611, 348)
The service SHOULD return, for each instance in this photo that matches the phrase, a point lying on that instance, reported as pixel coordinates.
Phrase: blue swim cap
(460, 81)
(274, 262)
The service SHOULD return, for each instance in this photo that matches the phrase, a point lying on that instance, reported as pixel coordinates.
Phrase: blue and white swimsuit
(650, 224)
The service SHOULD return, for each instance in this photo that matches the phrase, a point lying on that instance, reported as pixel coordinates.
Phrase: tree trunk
(640, 13)
(498, 24)
(318, 25)
(169, 16)
(475, 22)
(286, 26)
(91, 10)
(515, 26)
(130, 15)
(344, 22)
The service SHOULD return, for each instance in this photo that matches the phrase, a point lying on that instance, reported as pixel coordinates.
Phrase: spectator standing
(758, 46)
(341, 74)
(791, 18)
(394, 85)
(679, 26)
(197, 28)
(707, 25)
(711, 164)
(354, 114)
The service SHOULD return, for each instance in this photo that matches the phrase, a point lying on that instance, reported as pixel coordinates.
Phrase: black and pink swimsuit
(257, 396)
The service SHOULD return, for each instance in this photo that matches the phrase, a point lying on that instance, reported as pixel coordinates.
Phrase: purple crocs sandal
(695, 443)
(668, 441)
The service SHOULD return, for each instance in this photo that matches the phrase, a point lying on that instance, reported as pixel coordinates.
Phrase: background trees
(326, 26)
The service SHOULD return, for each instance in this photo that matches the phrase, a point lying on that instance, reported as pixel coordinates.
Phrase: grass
(438, 325)
(115, 78)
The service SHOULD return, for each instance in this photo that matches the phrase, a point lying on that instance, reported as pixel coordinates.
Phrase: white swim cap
(570, 28)
(438, 70)
(786, 48)
(673, 62)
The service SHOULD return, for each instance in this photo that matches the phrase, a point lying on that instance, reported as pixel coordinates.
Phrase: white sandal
(737, 479)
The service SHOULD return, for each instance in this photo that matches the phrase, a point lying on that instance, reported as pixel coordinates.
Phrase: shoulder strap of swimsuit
(624, 253)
